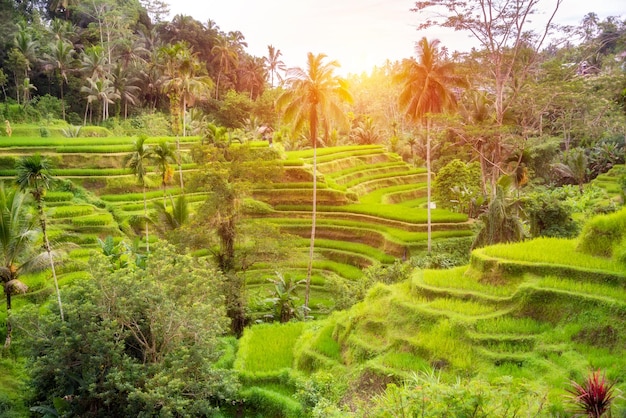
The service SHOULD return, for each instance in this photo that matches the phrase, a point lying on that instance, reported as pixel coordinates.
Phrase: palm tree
(60, 61)
(17, 235)
(274, 63)
(575, 166)
(27, 46)
(137, 161)
(125, 87)
(162, 155)
(311, 96)
(183, 82)
(100, 89)
(33, 172)
(27, 87)
(226, 57)
(426, 91)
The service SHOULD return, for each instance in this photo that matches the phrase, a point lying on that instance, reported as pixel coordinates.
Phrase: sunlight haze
(359, 34)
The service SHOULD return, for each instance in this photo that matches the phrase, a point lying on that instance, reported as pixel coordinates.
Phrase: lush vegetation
(189, 230)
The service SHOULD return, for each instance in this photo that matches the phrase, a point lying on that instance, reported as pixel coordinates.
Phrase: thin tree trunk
(42, 221)
(7, 341)
(313, 217)
(180, 165)
(145, 212)
(428, 188)
(62, 101)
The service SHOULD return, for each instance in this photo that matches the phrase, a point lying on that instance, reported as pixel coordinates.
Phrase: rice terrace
(188, 229)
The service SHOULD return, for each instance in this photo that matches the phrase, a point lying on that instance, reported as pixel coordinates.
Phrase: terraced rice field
(371, 205)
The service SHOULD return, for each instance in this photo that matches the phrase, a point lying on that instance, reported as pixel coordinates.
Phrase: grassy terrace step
(319, 266)
(368, 186)
(436, 283)
(389, 212)
(352, 247)
(302, 196)
(547, 257)
(406, 175)
(393, 241)
(28, 142)
(380, 195)
(364, 219)
(366, 171)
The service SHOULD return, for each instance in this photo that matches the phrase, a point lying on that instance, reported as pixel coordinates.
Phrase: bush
(456, 184)
(603, 233)
(549, 215)
(95, 132)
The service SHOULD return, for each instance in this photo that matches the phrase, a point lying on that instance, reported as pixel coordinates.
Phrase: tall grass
(346, 150)
(586, 288)
(100, 219)
(462, 307)
(267, 347)
(456, 279)
(511, 325)
(553, 251)
(71, 211)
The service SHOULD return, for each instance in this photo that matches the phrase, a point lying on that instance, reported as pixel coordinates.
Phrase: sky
(360, 34)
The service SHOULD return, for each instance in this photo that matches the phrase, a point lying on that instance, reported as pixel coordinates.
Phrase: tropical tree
(226, 57)
(17, 235)
(501, 221)
(427, 90)
(137, 161)
(125, 86)
(508, 55)
(313, 95)
(33, 173)
(60, 60)
(162, 154)
(184, 82)
(100, 89)
(273, 63)
(166, 220)
(575, 166)
(283, 297)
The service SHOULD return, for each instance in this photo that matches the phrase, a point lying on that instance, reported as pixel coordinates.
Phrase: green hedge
(602, 234)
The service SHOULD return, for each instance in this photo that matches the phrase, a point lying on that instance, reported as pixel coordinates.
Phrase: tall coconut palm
(100, 89)
(311, 96)
(137, 161)
(33, 173)
(273, 63)
(184, 82)
(427, 90)
(60, 61)
(125, 85)
(162, 155)
(18, 232)
(226, 56)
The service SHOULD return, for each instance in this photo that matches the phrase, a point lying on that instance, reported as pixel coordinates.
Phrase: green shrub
(95, 132)
(456, 184)
(7, 163)
(603, 233)
(549, 215)
(268, 403)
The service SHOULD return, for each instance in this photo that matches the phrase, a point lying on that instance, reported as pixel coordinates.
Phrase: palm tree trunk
(62, 101)
(428, 191)
(42, 221)
(180, 166)
(313, 216)
(7, 341)
(145, 212)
